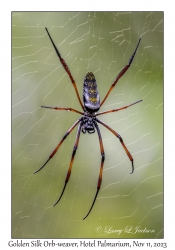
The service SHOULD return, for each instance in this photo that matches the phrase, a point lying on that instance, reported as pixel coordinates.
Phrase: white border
(5, 97)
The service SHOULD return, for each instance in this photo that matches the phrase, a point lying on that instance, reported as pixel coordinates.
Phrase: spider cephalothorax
(88, 122)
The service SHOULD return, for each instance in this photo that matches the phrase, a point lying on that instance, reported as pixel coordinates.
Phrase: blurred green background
(101, 42)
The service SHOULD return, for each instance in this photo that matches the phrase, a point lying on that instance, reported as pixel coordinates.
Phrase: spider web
(101, 42)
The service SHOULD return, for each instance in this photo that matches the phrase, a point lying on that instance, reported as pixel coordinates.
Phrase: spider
(88, 122)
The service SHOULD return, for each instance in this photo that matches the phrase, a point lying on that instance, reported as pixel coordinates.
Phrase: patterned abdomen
(91, 97)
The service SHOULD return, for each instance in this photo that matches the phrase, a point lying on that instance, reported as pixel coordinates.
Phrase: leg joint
(121, 140)
(64, 137)
(103, 157)
(74, 150)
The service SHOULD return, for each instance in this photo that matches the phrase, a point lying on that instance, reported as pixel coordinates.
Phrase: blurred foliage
(101, 42)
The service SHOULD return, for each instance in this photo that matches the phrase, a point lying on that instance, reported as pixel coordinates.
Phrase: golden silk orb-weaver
(88, 122)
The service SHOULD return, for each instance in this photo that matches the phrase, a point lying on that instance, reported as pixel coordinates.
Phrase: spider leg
(121, 73)
(115, 110)
(68, 109)
(101, 168)
(66, 68)
(71, 162)
(121, 140)
(57, 147)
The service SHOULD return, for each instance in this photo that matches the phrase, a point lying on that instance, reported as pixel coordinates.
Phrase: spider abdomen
(91, 96)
